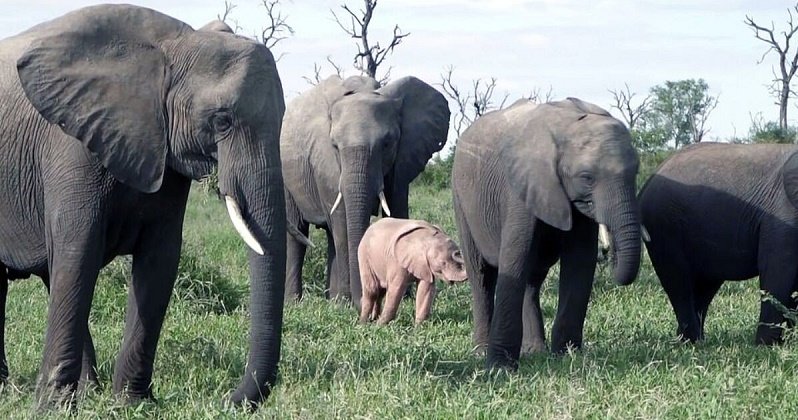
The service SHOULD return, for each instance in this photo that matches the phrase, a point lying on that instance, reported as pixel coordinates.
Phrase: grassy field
(631, 366)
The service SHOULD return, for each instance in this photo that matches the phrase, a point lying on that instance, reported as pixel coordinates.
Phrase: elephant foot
(689, 335)
(567, 347)
(136, 398)
(769, 335)
(500, 359)
(532, 347)
(54, 398)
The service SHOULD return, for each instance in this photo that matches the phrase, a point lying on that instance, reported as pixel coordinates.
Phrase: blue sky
(578, 48)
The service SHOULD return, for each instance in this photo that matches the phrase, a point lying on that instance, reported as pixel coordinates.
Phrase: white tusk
(241, 226)
(336, 203)
(604, 236)
(644, 233)
(384, 203)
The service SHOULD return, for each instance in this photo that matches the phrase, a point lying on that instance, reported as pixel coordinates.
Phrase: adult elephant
(346, 146)
(530, 184)
(106, 115)
(717, 212)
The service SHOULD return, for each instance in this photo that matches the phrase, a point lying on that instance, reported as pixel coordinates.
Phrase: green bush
(438, 173)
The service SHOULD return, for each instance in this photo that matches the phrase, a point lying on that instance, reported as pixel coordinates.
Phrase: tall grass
(631, 365)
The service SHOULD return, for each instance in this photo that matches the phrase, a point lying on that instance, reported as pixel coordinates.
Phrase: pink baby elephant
(394, 252)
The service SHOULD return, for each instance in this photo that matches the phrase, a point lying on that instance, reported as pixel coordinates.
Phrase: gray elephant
(530, 183)
(346, 146)
(106, 115)
(717, 212)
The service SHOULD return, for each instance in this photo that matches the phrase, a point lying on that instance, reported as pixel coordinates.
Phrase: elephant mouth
(585, 207)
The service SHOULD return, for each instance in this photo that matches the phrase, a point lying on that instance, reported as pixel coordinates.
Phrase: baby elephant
(394, 252)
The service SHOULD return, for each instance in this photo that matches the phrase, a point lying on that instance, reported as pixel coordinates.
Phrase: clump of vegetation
(438, 173)
(203, 286)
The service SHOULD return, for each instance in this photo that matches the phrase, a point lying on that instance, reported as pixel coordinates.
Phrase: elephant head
(427, 253)
(790, 177)
(382, 138)
(146, 93)
(573, 155)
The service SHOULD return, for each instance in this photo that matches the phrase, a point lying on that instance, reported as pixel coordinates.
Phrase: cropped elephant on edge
(717, 212)
(347, 146)
(530, 183)
(107, 114)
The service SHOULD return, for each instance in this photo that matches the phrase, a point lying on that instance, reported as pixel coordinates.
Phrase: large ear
(529, 157)
(790, 176)
(425, 125)
(410, 255)
(101, 81)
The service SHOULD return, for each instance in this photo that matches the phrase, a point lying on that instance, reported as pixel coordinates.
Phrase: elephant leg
(88, 369)
(705, 291)
(375, 313)
(425, 297)
(506, 325)
(677, 280)
(577, 267)
(481, 279)
(396, 288)
(778, 273)
(155, 262)
(3, 295)
(534, 334)
(76, 257)
(295, 258)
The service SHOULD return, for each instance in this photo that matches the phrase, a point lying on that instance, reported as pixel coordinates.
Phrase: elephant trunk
(623, 222)
(361, 181)
(254, 194)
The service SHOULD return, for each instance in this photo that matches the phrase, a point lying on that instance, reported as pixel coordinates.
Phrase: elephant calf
(394, 252)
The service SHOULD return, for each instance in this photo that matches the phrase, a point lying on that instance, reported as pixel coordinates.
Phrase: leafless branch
(472, 104)
(788, 64)
(277, 28)
(622, 101)
(369, 57)
(316, 78)
(538, 96)
(227, 18)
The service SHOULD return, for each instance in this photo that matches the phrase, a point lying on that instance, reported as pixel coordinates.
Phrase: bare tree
(538, 96)
(369, 57)
(788, 62)
(276, 29)
(622, 101)
(317, 77)
(227, 18)
(470, 104)
(698, 120)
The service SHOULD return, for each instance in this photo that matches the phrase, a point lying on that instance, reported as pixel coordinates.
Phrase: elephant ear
(424, 125)
(98, 77)
(790, 177)
(411, 255)
(529, 156)
(580, 106)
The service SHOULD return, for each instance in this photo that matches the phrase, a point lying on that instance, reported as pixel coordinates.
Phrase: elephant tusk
(336, 203)
(304, 240)
(241, 226)
(604, 236)
(384, 203)
(644, 234)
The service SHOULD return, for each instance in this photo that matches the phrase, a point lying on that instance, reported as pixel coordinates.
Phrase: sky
(580, 48)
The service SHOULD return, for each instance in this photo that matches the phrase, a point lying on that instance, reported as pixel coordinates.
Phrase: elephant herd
(108, 113)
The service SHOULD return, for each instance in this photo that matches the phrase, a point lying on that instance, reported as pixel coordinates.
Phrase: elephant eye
(222, 122)
(587, 178)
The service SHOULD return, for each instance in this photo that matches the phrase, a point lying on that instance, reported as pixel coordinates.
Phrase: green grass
(631, 366)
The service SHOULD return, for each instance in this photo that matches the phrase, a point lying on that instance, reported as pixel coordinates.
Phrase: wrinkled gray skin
(717, 212)
(530, 184)
(106, 115)
(358, 138)
(396, 252)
